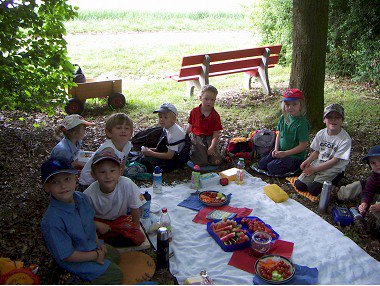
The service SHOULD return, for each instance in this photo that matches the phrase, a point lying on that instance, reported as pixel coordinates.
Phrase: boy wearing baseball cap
(69, 230)
(73, 128)
(332, 148)
(170, 152)
(112, 195)
(369, 189)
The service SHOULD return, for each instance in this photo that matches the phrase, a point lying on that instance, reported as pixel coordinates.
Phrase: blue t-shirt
(66, 149)
(69, 227)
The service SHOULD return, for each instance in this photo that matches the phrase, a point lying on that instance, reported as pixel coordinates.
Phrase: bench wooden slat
(230, 55)
(241, 64)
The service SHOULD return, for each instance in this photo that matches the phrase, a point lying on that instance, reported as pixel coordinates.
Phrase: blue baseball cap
(373, 152)
(55, 166)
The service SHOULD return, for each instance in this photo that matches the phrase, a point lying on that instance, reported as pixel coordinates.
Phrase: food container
(260, 243)
(230, 174)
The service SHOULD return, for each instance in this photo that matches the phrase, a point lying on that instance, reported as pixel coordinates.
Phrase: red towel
(245, 260)
(201, 215)
(123, 226)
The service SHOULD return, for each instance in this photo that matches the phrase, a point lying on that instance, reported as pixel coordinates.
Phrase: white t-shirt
(111, 206)
(329, 146)
(85, 178)
(174, 134)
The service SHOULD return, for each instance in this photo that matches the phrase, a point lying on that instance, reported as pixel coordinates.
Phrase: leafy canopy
(33, 57)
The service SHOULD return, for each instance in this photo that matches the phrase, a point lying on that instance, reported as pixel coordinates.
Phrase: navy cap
(373, 152)
(55, 166)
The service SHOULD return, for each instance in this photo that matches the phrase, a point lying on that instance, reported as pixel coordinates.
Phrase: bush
(353, 43)
(33, 57)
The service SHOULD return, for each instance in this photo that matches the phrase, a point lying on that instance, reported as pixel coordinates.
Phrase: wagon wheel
(116, 100)
(74, 106)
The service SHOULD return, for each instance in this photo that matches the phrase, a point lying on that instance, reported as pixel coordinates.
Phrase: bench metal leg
(247, 84)
(191, 85)
(263, 72)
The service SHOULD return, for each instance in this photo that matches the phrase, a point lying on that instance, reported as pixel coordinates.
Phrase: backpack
(239, 147)
(79, 76)
(148, 138)
(263, 142)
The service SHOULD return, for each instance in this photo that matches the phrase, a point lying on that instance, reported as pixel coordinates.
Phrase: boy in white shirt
(168, 152)
(119, 130)
(332, 148)
(112, 195)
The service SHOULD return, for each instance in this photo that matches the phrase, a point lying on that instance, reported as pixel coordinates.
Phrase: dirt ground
(26, 141)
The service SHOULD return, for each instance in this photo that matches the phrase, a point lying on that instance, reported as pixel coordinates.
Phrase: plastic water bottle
(145, 208)
(325, 197)
(240, 172)
(165, 221)
(157, 180)
(196, 178)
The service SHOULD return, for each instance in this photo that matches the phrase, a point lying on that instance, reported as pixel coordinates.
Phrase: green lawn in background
(107, 42)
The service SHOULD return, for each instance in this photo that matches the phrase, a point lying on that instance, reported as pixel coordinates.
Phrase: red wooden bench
(197, 69)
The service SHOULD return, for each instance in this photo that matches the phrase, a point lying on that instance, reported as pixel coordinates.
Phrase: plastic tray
(230, 248)
(238, 220)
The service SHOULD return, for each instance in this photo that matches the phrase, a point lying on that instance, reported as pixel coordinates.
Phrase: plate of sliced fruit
(275, 269)
(212, 198)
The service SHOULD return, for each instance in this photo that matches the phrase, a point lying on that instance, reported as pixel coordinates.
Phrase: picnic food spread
(275, 269)
(212, 198)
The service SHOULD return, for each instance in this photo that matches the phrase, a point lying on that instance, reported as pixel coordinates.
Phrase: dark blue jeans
(281, 166)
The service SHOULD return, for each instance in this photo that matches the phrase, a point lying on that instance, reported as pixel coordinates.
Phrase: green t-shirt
(293, 133)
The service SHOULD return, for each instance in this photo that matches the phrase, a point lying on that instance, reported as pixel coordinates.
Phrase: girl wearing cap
(73, 128)
(292, 136)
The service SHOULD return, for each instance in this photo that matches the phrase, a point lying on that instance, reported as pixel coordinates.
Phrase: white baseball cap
(74, 120)
(165, 107)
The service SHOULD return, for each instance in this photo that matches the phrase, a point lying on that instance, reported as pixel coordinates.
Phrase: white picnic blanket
(316, 242)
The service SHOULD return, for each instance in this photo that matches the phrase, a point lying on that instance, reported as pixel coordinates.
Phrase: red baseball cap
(292, 94)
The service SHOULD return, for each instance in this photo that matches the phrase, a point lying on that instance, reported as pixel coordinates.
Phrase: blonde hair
(118, 119)
(303, 109)
(209, 87)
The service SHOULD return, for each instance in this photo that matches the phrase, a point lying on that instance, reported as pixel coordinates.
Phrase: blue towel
(303, 276)
(193, 202)
(203, 168)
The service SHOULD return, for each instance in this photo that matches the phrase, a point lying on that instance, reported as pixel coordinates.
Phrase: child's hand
(103, 228)
(308, 171)
(101, 253)
(210, 151)
(304, 165)
(362, 208)
(274, 153)
(279, 154)
(147, 152)
(375, 208)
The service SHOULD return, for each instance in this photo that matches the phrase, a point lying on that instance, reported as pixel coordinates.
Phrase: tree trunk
(310, 23)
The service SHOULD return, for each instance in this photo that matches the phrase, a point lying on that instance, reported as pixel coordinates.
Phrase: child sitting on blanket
(168, 152)
(69, 230)
(204, 129)
(332, 148)
(292, 138)
(119, 130)
(112, 195)
(73, 128)
(369, 190)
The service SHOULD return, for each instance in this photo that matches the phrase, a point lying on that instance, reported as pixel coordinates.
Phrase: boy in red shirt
(204, 129)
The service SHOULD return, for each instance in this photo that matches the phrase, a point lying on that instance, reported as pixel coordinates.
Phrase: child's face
(120, 134)
(62, 186)
(80, 132)
(166, 119)
(107, 173)
(334, 122)
(293, 107)
(208, 100)
(374, 163)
